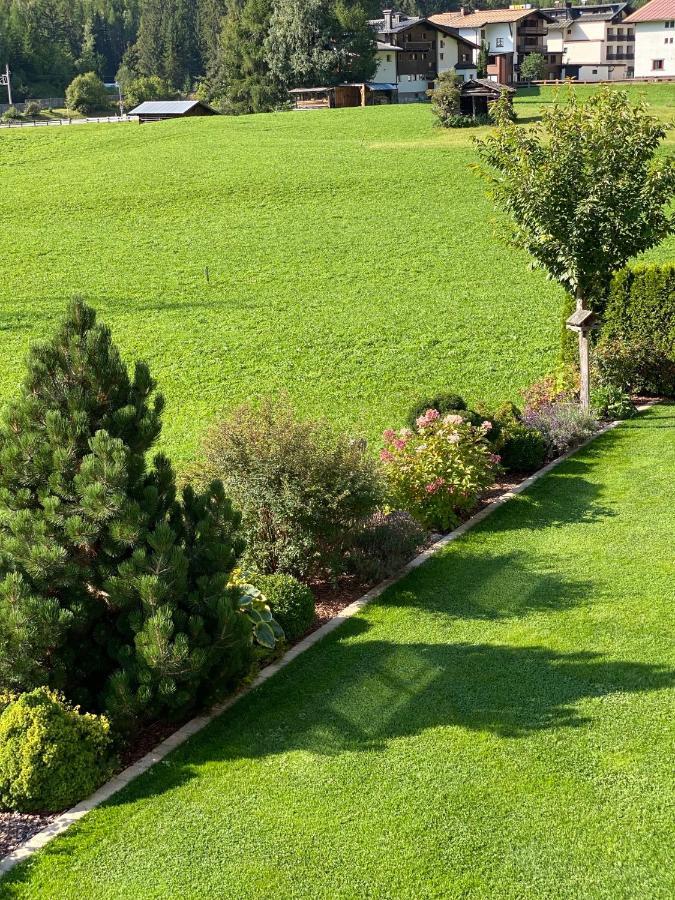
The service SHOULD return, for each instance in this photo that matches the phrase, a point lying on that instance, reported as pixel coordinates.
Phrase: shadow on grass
(384, 691)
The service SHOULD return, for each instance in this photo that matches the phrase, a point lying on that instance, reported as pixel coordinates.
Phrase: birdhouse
(583, 320)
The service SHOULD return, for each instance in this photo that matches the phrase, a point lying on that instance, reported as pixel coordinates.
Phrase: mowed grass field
(353, 260)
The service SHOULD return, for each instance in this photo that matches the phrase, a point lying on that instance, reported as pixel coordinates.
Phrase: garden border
(62, 822)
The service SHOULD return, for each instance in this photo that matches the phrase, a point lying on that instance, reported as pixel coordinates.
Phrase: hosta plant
(254, 606)
(438, 471)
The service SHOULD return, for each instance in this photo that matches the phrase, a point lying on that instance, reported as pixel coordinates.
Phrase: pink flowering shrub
(437, 472)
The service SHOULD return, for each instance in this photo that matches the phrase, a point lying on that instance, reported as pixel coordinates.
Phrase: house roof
(494, 87)
(410, 21)
(484, 17)
(605, 12)
(166, 107)
(655, 11)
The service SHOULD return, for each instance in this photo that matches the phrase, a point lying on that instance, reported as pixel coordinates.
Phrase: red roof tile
(655, 11)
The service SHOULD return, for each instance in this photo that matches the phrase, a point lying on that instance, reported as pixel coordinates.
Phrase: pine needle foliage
(112, 589)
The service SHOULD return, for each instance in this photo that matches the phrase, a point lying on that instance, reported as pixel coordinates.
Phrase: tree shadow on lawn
(565, 497)
(383, 691)
(469, 582)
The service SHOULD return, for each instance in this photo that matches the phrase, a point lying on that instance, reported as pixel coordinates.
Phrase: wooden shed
(367, 93)
(157, 110)
(477, 94)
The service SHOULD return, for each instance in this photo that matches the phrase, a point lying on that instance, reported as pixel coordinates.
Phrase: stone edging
(66, 819)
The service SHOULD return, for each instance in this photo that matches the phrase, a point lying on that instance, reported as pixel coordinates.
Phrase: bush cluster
(125, 596)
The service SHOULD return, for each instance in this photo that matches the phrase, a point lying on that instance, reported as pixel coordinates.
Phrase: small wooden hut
(477, 94)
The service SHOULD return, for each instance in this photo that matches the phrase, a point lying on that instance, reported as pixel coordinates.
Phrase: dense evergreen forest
(238, 54)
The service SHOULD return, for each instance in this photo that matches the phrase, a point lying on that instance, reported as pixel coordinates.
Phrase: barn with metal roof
(157, 110)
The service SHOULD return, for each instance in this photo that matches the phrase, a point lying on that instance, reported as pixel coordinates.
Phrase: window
(388, 57)
(465, 57)
(569, 32)
(442, 43)
(441, 56)
(499, 42)
(424, 35)
(670, 24)
(594, 71)
(657, 64)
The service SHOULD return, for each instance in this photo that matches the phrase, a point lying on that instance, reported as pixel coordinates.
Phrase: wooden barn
(158, 110)
(477, 94)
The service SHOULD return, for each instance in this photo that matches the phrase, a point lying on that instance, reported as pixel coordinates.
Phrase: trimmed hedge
(641, 306)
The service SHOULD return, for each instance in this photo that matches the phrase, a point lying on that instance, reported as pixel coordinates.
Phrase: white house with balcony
(591, 42)
(508, 35)
(654, 26)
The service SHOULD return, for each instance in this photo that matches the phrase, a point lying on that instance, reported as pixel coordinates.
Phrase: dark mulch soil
(15, 828)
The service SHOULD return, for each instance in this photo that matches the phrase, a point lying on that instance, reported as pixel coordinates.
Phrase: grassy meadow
(353, 260)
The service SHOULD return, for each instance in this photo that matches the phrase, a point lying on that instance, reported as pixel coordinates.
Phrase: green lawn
(353, 260)
(497, 725)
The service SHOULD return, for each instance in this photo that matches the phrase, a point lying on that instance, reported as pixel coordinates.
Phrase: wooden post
(584, 366)
(363, 95)
(584, 360)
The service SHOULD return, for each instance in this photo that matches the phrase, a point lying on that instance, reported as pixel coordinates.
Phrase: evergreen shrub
(113, 589)
(51, 755)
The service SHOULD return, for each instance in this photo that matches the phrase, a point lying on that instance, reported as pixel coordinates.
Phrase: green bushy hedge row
(641, 306)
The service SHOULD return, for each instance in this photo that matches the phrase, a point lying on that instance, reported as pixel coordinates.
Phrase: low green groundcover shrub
(301, 487)
(522, 449)
(438, 472)
(292, 603)
(384, 543)
(51, 755)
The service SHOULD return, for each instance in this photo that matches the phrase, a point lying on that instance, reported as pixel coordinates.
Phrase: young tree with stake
(585, 190)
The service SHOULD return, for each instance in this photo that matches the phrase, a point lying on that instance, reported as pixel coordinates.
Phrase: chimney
(462, 10)
(386, 13)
